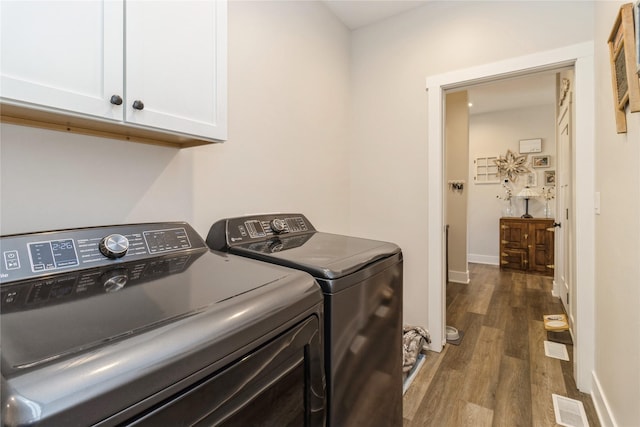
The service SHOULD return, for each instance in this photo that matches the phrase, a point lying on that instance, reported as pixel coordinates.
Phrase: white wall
(617, 175)
(492, 134)
(456, 161)
(289, 113)
(289, 103)
(390, 62)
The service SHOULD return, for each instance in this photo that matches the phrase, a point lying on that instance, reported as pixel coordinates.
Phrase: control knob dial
(114, 246)
(278, 225)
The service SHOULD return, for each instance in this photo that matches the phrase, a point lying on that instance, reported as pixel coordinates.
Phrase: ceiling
(359, 13)
(521, 92)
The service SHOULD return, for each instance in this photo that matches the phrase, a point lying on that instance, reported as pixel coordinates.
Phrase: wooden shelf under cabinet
(62, 122)
(527, 244)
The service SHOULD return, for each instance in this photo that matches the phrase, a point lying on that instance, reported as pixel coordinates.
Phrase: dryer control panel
(232, 231)
(28, 256)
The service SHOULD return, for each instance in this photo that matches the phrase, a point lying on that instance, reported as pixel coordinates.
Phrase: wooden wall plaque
(625, 81)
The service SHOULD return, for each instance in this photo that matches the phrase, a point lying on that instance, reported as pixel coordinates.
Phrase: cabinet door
(63, 55)
(542, 247)
(514, 235)
(176, 66)
(517, 259)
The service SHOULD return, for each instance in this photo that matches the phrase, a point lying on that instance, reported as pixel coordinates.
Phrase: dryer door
(279, 384)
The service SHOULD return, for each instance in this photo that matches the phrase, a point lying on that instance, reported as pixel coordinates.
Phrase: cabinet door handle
(138, 105)
(526, 236)
(116, 100)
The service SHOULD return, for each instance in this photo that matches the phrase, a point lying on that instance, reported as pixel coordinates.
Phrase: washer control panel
(259, 228)
(233, 231)
(26, 256)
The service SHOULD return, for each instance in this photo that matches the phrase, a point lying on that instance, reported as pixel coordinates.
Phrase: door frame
(563, 287)
(581, 57)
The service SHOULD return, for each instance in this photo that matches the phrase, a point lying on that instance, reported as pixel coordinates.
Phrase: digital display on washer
(167, 240)
(255, 228)
(52, 255)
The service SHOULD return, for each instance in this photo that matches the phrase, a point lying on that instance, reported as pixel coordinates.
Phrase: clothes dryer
(362, 284)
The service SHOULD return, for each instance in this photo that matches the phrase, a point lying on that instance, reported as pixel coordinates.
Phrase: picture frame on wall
(540, 161)
(624, 66)
(530, 145)
(531, 179)
(549, 178)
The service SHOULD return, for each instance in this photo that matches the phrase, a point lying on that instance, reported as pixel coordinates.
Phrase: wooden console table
(527, 244)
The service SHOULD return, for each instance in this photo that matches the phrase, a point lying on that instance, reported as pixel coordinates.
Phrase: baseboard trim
(459, 276)
(554, 290)
(600, 402)
(483, 259)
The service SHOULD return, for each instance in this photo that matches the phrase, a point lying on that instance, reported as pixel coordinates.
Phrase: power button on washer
(11, 260)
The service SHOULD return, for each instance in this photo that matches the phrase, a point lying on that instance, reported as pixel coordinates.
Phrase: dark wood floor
(499, 375)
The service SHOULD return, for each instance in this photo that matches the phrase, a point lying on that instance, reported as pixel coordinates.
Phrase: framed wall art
(530, 145)
(624, 66)
(540, 161)
(549, 178)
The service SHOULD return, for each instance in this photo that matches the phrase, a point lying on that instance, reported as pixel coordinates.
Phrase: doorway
(483, 122)
(581, 58)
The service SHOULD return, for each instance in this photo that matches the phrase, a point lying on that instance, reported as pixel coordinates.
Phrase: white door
(564, 232)
(63, 54)
(176, 66)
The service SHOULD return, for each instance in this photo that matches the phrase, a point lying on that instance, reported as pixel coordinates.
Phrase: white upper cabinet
(65, 55)
(174, 67)
(153, 65)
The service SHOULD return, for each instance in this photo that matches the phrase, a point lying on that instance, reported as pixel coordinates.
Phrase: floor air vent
(569, 412)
